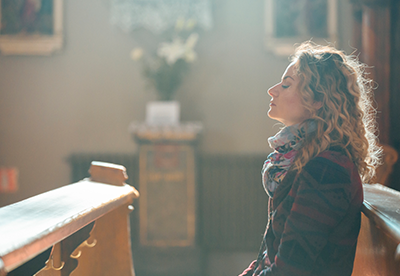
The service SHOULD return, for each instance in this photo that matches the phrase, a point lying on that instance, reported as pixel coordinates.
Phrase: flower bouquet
(166, 68)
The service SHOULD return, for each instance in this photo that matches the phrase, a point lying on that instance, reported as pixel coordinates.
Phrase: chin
(270, 114)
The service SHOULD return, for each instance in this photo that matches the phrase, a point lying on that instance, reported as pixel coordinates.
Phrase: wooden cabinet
(169, 199)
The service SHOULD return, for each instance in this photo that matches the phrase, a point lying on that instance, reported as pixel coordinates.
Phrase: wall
(83, 99)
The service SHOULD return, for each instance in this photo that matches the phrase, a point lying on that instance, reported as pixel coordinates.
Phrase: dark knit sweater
(315, 219)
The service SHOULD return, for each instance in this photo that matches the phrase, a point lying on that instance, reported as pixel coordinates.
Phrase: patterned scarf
(285, 145)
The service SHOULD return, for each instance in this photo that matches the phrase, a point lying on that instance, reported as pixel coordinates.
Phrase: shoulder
(332, 178)
(332, 167)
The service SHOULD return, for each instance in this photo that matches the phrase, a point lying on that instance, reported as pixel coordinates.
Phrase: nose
(273, 90)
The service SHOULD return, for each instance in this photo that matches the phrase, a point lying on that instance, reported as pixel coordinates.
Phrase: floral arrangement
(166, 68)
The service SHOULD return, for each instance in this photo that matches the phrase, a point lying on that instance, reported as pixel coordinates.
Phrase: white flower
(190, 56)
(192, 40)
(179, 50)
(137, 53)
(172, 51)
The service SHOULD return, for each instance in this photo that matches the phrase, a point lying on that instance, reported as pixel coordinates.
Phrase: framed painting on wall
(290, 22)
(31, 27)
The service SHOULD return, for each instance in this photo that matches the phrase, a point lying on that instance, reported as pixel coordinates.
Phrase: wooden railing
(378, 249)
(81, 228)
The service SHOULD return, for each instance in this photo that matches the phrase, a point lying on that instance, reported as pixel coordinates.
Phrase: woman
(321, 158)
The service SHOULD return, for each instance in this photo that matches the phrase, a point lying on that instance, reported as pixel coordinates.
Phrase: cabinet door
(167, 202)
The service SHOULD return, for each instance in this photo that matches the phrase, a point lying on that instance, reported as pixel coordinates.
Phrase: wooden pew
(81, 228)
(378, 249)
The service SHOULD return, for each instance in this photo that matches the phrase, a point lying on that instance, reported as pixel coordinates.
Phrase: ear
(317, 105)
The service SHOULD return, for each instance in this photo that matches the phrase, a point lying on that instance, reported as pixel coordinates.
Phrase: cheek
(296, 106)
(294, 101)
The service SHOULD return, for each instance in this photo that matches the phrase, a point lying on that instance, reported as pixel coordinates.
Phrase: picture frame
(291, 22)
(31, 27)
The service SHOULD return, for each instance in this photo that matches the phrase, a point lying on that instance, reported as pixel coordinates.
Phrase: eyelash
(285, 86)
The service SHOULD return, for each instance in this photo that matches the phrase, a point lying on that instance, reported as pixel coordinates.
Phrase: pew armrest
(382, 206)
(378, 250)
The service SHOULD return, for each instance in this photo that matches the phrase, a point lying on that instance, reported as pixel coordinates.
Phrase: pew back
(79, 223)
(378, 249)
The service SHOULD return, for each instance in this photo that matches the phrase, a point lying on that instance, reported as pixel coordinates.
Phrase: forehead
(290, 72)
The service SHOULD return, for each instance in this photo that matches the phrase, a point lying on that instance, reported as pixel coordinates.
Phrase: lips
(272, 104)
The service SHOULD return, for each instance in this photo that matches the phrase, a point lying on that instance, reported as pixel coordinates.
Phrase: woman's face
(286, 105)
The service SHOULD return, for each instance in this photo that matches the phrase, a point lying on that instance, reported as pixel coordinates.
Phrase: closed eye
(285, 86)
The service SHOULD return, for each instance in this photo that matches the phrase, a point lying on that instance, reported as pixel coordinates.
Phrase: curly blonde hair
(346, 118)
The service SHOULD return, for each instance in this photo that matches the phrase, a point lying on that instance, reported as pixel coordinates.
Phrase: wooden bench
(81, 228)
(378, 249)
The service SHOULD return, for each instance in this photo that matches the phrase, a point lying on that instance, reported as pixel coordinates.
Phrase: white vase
(162, 113)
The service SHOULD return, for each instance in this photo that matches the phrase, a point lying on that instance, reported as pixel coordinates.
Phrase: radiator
(232, 205)
(233, 202)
